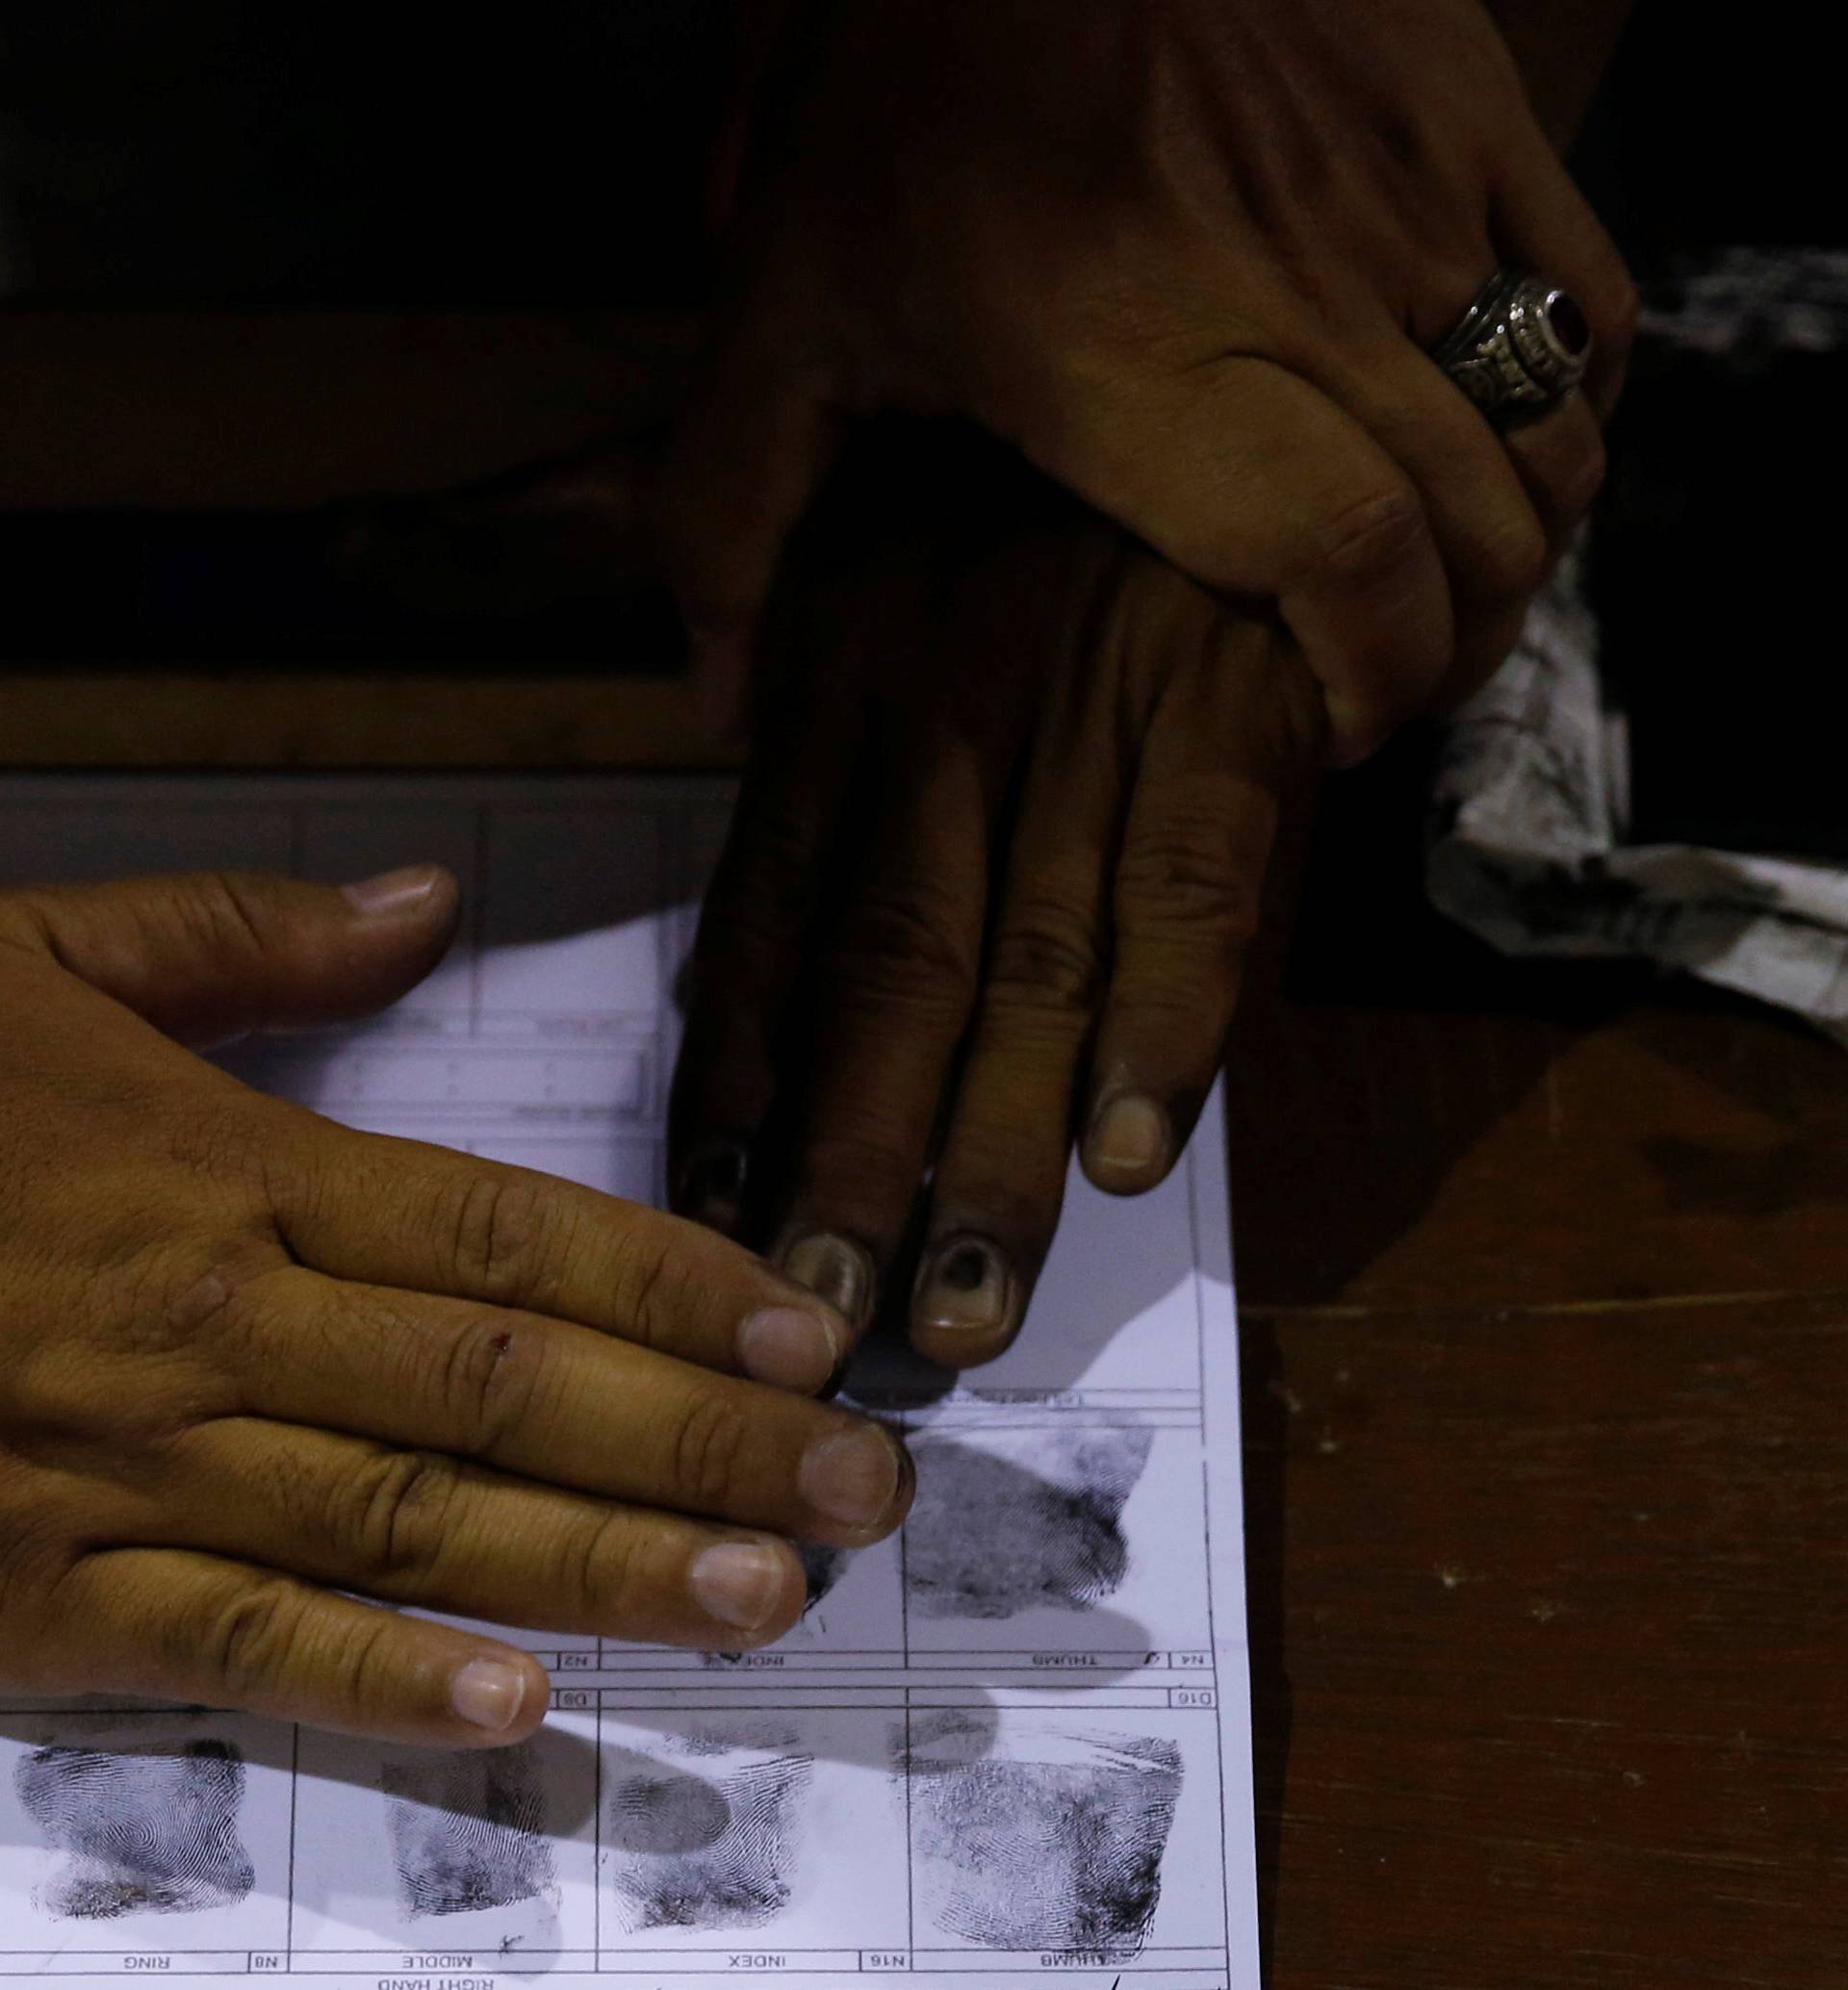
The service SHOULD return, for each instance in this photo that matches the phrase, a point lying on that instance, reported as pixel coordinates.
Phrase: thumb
(752, 450)
(210, 955)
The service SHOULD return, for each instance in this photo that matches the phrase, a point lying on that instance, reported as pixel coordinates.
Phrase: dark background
(200, 152)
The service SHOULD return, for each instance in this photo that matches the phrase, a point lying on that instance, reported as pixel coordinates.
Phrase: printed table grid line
(1135, 1967)
(1218, 1737)
(894, 1705)
(824, 1666)
(892, 1700)
(295, 1785)
(483, 828)
(910, 1853)
(648, 1958)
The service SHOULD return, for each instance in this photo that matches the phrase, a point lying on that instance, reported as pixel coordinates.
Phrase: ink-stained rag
(1531, 844)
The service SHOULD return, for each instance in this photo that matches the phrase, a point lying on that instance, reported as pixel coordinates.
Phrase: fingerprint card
(1012, 1739)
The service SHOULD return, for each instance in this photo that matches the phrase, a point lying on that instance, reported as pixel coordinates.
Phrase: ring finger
(761, 905)
(1560, 462)
(1000, 1180)
(899, 977)
(420, 1528)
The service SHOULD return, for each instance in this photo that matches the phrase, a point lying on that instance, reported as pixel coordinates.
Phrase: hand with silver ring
(1520, 349)
(1195, 259)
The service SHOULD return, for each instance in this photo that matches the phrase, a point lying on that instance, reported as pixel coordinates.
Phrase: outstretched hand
(251, 1361)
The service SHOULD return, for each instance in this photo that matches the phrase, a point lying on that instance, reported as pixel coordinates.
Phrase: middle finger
(563, 1405)
(898, 982)
(894, 996)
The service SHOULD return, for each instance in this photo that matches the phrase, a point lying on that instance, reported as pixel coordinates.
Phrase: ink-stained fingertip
(710, 1189)
(959, 1347)
(833, 1267)
(968, 1303)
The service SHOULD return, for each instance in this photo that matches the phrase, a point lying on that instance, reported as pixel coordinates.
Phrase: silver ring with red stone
(1520, 349)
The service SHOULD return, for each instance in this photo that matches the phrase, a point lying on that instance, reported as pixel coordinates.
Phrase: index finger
(557, 1405)
(386, 1211)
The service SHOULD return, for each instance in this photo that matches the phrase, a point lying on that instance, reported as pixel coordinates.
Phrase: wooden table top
(1544, 1335)
(1545, 1328)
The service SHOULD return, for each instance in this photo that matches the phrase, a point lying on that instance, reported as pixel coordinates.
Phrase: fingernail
(712, 1185)
(788, 1349)
(739, 1582)
(964, 1285)
(832, 1269)
(1129, 1134)
(854, 1477)
(836, 1382)
(393, 894)
(487, 1693)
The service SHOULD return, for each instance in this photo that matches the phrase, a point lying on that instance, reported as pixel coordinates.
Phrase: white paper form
(1015, 1739)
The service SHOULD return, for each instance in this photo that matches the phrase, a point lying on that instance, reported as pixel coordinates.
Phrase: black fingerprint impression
(1038, 1525)
(1064, 1852)
(713, 1844)
(150, 1830)
(821, 1568)
(468, 1831)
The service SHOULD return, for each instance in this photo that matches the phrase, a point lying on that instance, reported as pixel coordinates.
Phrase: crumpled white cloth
(1529, 843)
